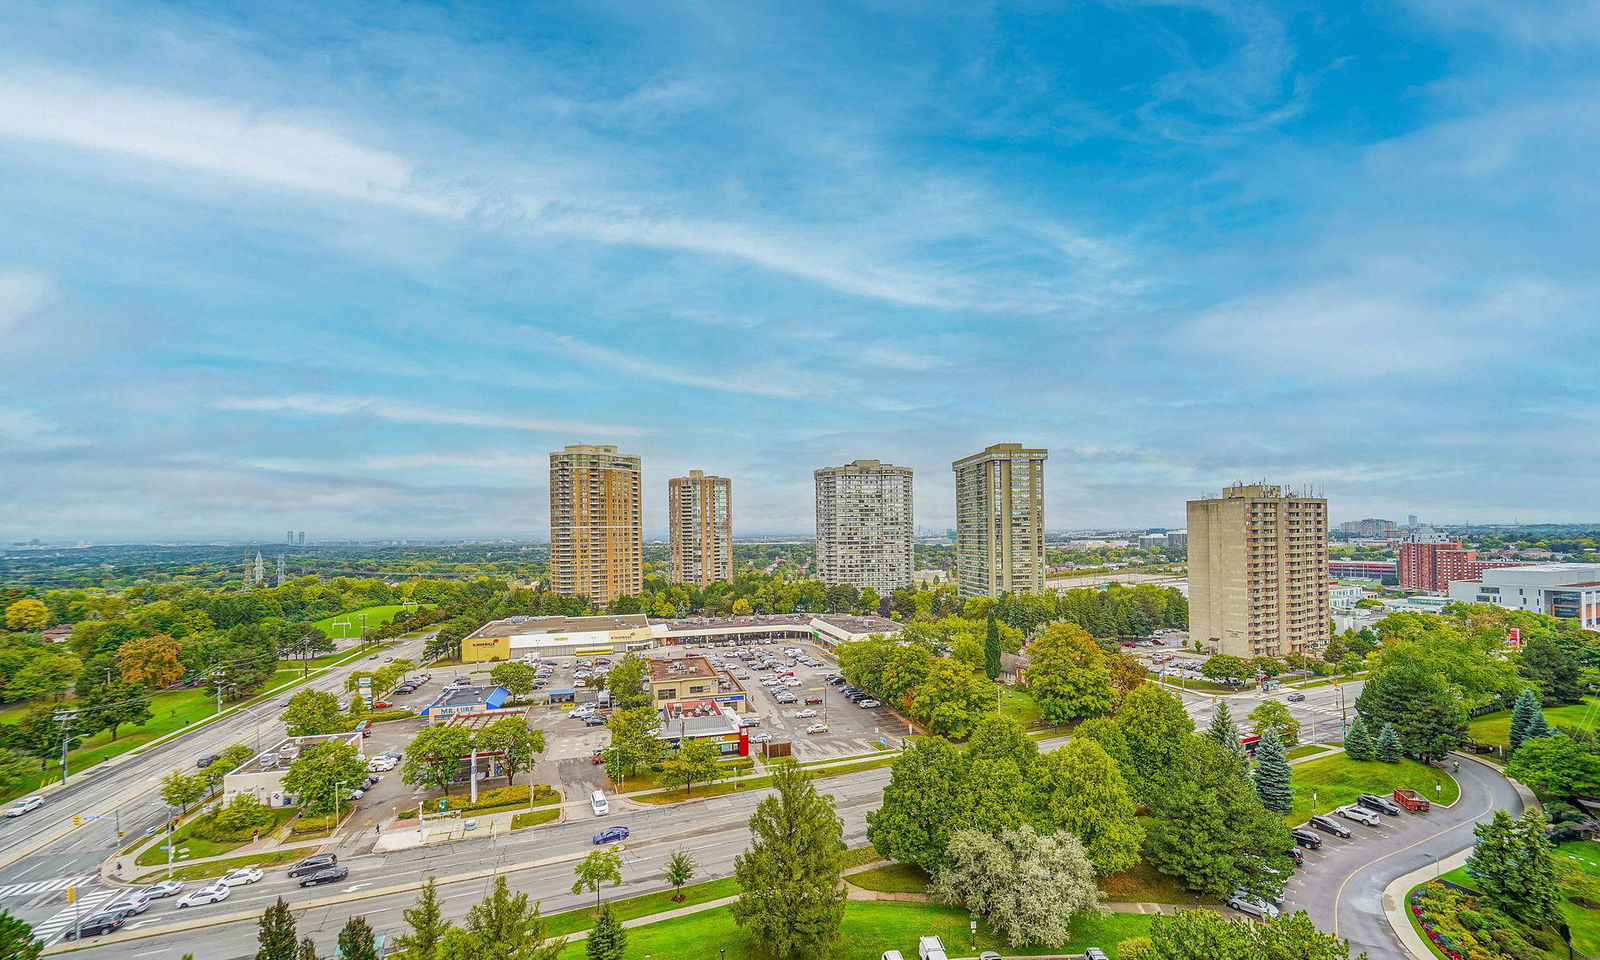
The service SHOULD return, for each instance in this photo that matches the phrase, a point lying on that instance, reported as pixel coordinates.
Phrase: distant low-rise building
(1570, 591)
(1383, 571)
(1343, 596)
(462, 701)
(1432, 563)
(557, 637)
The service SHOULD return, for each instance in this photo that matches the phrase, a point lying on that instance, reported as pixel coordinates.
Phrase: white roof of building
(1544, 575)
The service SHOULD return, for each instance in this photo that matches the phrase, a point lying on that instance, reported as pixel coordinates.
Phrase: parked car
(1094, 953)
(761, 737)
(609, 835)
(1379, 804)
(214, 893)
(241, 877)
(96, 924)
(1293, 853)
(1255, 906)
(163, 889)
(1306, 838)
(806, 714)
(1330, 825)
(1296, 697)
(868, 704)
(594, 720)
(817, 728)
(1359, 814)
(312, 864)
(813, 699)
(25, 805)
(326, 875)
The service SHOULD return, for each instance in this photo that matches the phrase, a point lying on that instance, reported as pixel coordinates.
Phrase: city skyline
(364, 276)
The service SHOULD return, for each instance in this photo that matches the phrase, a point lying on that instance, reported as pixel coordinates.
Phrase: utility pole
(65, 718)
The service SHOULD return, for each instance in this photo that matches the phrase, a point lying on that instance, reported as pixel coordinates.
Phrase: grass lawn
(572, 921)
(1143, 883)
(190, 847)
(1584, 922)
(535, 818)
(347, 626)
(677, 795)
(1338, 780)
(1307, 749)
(216, 868)
(1019, 706)
(894, 878)
(1326, 681)
(869, 929)
(859, 857)
(1495, 727)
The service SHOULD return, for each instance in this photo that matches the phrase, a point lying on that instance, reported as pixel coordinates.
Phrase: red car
(813, 699)
(597, 757)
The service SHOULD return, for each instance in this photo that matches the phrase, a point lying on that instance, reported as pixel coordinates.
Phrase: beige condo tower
(701, 518)
(864, 525)
(596, 523)
(1000, 521)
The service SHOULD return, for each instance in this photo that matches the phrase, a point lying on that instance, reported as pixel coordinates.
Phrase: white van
(597, 801)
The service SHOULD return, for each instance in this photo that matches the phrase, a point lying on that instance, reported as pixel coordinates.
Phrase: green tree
(427, 927)
(1388, 747)
(1271, 775)
(433, 759)
(277, 935)
(515, 676)
(1548, 667)
(1538, 728)
(27, 615)
(356, 941)
(1028, 886)
(1206, 935)
(1513, 867)
(695, 761)
(633, 741)
(791, 900)
(1225, 733)
(991, 649)
(1081, 792)
(111, 706)
(596, 870)
(16, 939)
(518, 744)
(1426, 714)
(952, 698)
(306, 644)
(1210, 831)
(607, 938)
(306, 951)
(913, 823)
(1154, 727)
(44, 675)
(1522, 714)
(1358, 742)
(1226, 666)
(1068, 675)
(312, 713)
(627, 682)
(501, 927)
(1556, 765)
(1274, 716)
(321, 776)
(182, 789)
(1002, 738)
(681, 867)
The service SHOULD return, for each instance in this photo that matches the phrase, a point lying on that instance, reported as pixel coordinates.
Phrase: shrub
(236, 822)
(306, 825)
(1135, 948)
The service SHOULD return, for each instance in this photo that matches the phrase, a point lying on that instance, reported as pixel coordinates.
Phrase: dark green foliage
(1522, 714)
(991, 649)
(1272, 773)
(277, 934)
(1547, 666)
(1388, 747)
(607, 940)
(1538, 727)
(792, 901)
(1513, 868)
(1224, 732)
(356, 941)
(1426, 714)
(16, 939)
(427, 925)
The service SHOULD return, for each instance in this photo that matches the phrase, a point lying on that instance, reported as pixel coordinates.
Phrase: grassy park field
(348, 626)
(1495, 728)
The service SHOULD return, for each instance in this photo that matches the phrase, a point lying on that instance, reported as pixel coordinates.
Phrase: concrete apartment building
(1258, 571)
(596, 523)
(1432, 563)
(1570, 591)
(1000, 521)
(701, 519)
(864, 525)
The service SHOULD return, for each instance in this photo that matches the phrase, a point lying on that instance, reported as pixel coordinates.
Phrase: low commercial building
(702, 720)
(262, 775)
(461, 701)
(1383, 571)
(827, 629)
(693, 678)
(1343, 596)
(516, 637)
(1570, 591)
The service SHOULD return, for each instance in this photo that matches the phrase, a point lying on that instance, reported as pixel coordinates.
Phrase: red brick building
(1434, 565)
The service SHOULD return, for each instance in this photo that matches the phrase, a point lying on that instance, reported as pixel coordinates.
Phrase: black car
(1306, 838)
(1330, 825)
(206, 761)
(1379, 804)
(594, 720)
(95, 924)
(1293, 853)
(326, 875)
(312, 864)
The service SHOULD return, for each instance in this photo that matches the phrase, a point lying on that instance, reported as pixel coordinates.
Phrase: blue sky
(356, 268)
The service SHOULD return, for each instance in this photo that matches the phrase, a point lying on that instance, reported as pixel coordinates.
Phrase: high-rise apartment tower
(1000, 521)
(596, 526)
(1258, 571)
(701, 518)
(864, 525)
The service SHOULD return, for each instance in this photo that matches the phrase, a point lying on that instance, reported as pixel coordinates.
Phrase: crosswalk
(59, 925)
(43, 886)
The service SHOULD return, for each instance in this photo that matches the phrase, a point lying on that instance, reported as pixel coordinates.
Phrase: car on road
(312, 864)
(817, 728)
(1359, 814)
(1306, 838)
(326, 875)
(163, 889)
(215, 893)
(609, 835)
(868, 703)
(1296, 697)
(241, 877)
(96, 924)
(129, 905)
(206, 761)
(760, 737)
(1330, 825)
(1379, 804)
(25, 805)
(806, 714)
(1255, 906)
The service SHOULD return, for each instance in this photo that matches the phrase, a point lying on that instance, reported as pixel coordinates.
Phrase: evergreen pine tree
(607, 940)
(1358, 742)
(356, 941)
(427, 927)
(1550, 668)
(307, 951)
(1388, 747)
(1538, 727)
(1272, 773)
(1527, 707)
(991, 649)
(1491, 864)
(1225, 733)
(1539, 889)
(17, 940)
(277, 936)
(1209, 830)
(792, 901)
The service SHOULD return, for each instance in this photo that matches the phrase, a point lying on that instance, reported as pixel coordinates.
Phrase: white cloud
(21, 293)
(770, 381)
(328, 405)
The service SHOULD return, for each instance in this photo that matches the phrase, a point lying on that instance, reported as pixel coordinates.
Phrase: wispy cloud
(772, 381)
(329, 405)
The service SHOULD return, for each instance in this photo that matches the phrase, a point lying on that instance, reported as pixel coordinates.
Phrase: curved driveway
(1341, 885)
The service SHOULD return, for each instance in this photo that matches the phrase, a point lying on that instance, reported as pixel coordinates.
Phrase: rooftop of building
(523, 626)
(1576, 575)
(863, 467)
(289, 749)
(691, 667)
(465, 696)
(696, 718)
(845, 622)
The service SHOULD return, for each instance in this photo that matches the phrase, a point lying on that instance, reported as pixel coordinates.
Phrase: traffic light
(72, 894)
(77, 819)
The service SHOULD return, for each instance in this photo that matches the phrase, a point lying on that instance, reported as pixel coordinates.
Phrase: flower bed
(1461, 927)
